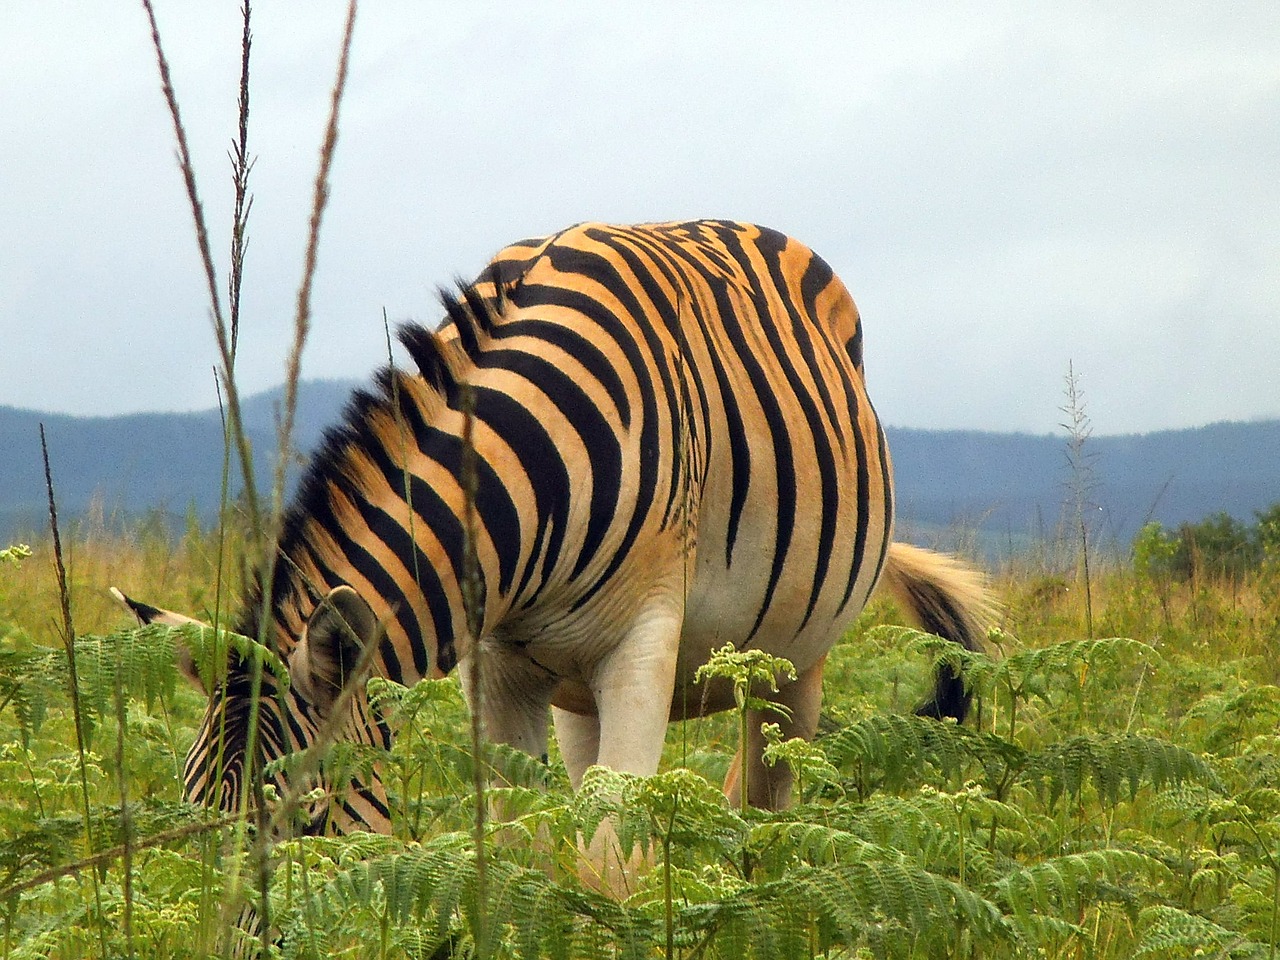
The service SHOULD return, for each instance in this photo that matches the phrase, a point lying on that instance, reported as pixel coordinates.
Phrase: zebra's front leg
(632, 687)
(578, 736)
(515, 697)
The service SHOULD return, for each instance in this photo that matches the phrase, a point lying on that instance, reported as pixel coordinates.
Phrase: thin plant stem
(73, 680)
(126, 818)
(220, 326)
(471, 602)
(302, 326)
(241, 165)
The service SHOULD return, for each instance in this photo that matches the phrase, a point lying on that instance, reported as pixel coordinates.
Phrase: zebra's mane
(442, 358)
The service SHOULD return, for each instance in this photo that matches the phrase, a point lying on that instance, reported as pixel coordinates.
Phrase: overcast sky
(1004, 187)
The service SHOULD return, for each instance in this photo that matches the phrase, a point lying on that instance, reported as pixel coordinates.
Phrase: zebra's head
(318, 701)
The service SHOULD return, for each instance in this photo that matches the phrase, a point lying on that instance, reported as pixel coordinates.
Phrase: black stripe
(739, 445)
(544, 467)
(725, 309)
(383, 527)
(784, 455)
(666, 255)
(369, 795)
(430, 508)
(582, 350)
(572, 260)
(601, 444)
(817, 270)
(495, 509)
(886, 485)
(863, 494)
(816, 278)
(772, 244)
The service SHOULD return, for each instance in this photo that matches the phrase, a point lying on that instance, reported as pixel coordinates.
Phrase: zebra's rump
(704, 385)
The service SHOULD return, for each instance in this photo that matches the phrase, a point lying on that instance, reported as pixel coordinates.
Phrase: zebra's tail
(947, 598)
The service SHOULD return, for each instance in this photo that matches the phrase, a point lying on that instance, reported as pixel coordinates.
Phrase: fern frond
(425, 894)
(871, 899)
(1168, 932)
(1116, 764)
(1231, 717)
(513, 767)
(685, 809)
(786, 841)
(888, 752)
(1034, 673)
(399, 702)
(29, 680)
(1060, 885)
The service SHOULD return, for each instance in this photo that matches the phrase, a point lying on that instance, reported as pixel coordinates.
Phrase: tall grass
(1113, 798)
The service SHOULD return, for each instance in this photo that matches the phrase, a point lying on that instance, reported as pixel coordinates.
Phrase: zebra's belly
(725, 610)
(693, 699)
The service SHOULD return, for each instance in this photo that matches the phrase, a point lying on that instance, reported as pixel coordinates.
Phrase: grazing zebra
(671, 449)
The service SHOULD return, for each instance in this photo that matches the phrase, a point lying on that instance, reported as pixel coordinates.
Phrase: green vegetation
(1219, 547)
(1112, 798)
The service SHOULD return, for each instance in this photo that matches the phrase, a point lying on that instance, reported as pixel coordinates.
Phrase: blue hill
(1005, 489)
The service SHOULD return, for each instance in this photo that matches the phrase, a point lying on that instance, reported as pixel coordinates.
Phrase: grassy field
(1112, 798)
(1116, 795)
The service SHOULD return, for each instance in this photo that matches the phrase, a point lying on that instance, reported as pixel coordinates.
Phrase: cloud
(1003, 187)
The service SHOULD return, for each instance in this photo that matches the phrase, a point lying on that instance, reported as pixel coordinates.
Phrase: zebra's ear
(326, 659)
(146, 614)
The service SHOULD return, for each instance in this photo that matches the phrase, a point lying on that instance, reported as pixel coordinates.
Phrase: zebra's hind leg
(770, 787)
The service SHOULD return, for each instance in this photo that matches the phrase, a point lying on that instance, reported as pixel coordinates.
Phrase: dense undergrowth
(1111, 797)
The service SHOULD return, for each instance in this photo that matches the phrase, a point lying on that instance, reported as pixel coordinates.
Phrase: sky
(1007, 189)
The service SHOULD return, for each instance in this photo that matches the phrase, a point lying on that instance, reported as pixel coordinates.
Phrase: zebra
(634, 444)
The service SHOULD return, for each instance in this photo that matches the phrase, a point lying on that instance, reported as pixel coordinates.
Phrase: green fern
(28, 683)
(1037, 675)
(874, 900)
(1168, 932)
(890, 752)
(1117, 765)
(1062, 886)
(424, 896)
(1233, 717)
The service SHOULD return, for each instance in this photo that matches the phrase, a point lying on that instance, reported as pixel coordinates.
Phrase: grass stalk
(241, 165)
(293, 370)
(69, 642)
(472, 601)
(221, 328)
(266, 537)
(1081, 481)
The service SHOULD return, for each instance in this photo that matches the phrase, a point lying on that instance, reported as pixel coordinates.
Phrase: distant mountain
(1012, 487)
(142, 463)
(1003, 489)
